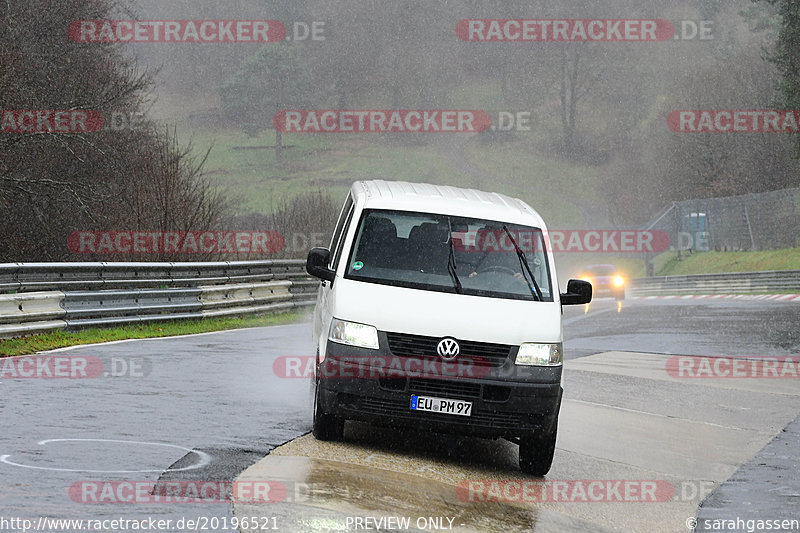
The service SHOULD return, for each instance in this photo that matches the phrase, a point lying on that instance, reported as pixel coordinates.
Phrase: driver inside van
(493, 259)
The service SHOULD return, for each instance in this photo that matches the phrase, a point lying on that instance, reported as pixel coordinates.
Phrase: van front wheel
(536, 452)
(324, 425)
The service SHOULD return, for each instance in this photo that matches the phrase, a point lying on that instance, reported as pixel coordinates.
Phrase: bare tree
(52, 183)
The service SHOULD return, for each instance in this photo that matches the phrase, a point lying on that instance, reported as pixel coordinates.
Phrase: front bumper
(507, 400)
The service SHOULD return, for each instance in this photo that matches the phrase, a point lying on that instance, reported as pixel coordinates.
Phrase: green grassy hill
(245, 168)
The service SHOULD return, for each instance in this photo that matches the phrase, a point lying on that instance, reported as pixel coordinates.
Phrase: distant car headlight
(353, 334)
(531, 354)
(619, 281)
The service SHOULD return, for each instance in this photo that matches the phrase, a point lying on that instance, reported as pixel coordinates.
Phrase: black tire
(536, 452)
(620, 295)
(325, 426)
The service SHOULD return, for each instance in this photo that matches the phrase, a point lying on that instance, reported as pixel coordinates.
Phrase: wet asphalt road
(213, 393)
(733, 328)
(215, 401)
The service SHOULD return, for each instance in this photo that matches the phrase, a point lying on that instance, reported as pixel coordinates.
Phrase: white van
(439, 309)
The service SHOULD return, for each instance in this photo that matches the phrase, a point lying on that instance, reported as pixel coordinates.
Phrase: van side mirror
(578, 292)
(317, 264)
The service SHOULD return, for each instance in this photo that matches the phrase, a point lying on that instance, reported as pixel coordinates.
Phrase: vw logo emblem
(448, 348)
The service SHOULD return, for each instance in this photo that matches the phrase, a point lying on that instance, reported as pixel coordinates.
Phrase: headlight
(539, 354)
(619, 281)
(353, 334)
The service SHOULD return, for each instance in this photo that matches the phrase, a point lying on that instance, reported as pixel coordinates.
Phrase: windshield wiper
(451, 259)
(523, 262)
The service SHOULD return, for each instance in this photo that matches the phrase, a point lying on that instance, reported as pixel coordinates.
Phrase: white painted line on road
(756, 297)
(205, 459)
(690, 421)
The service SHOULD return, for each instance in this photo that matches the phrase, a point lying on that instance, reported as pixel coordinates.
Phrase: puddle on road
(444, 458)
(321, 494)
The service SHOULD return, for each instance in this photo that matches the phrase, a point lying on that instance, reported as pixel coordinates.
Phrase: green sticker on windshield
(358, 265)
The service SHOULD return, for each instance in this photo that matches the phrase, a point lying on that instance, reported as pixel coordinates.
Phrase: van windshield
(450, 254)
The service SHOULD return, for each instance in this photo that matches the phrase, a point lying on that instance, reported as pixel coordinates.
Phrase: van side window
(340, 224)
(340, 244)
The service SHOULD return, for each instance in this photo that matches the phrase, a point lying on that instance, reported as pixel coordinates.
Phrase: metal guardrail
(103, 294)
(77, 276)
(771, 281)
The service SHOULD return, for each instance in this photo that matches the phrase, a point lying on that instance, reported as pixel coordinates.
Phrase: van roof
(444, 199)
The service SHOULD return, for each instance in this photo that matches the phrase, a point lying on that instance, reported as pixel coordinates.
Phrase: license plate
(441, 405)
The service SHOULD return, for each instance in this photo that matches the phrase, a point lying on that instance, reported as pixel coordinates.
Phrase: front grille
(447, 389)
(481, 353)
(378, 406)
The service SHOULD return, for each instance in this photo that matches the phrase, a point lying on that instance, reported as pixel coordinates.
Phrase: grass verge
(668, 264)
(60, 339)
